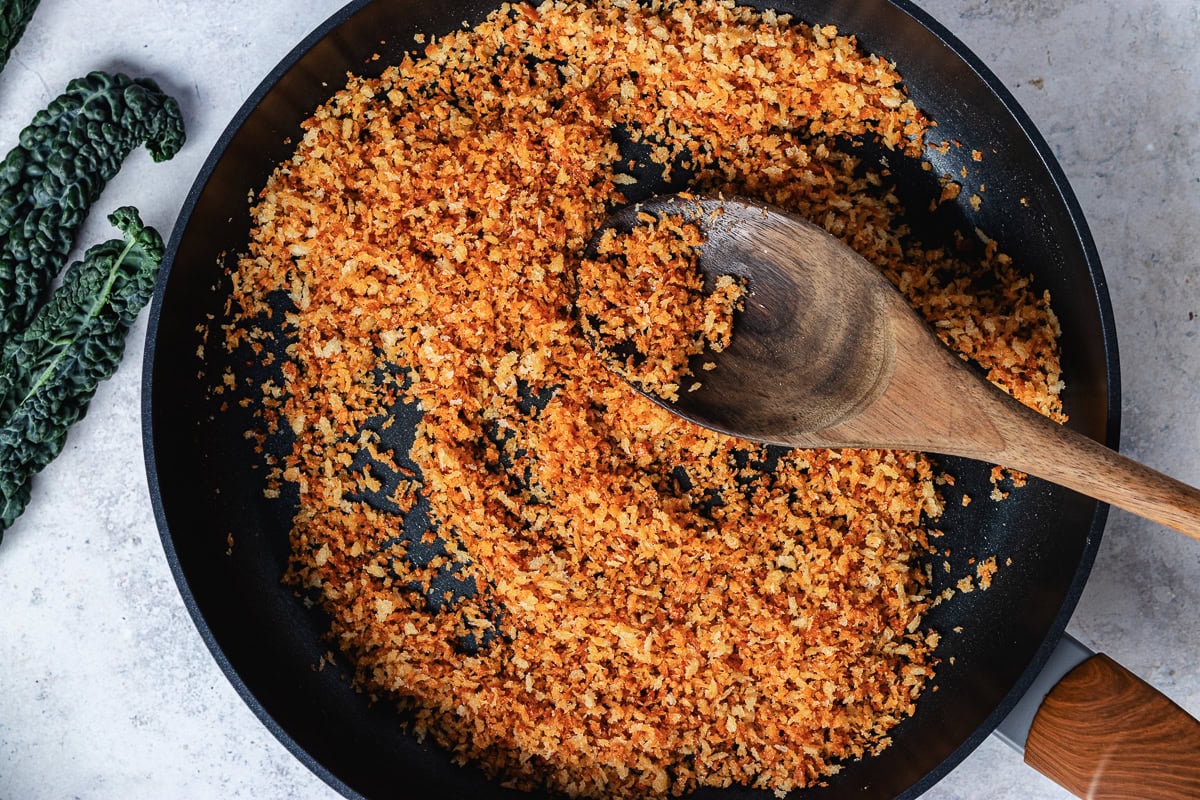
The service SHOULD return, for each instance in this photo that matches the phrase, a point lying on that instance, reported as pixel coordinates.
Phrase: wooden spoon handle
(1104, 733)
(1038, 446)
(935, 404)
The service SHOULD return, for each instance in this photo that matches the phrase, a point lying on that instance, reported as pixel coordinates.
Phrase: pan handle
(1101, 732)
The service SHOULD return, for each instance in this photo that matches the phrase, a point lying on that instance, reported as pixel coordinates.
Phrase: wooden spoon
(827, 353)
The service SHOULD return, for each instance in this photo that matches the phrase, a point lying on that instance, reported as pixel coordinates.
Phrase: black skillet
(207, 485)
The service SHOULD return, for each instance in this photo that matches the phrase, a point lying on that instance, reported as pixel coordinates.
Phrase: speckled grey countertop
(106, 689)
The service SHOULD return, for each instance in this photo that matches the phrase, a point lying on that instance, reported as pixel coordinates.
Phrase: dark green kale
(14, 16)
(50, 370)
(64, 159)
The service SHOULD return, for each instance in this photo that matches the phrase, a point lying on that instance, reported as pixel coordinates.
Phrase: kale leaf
(65, 157)
(50, 371)
(14, 16)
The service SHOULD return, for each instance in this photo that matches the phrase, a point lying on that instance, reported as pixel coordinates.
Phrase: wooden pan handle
(1104, 733)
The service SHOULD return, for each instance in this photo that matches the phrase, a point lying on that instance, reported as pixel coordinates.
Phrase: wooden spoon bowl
(827, 353)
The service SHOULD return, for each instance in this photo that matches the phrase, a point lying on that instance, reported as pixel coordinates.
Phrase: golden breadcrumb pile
(643, 303)
(607, 601)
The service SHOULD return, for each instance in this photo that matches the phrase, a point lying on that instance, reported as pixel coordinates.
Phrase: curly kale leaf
(65, 157)
(50, 370)
(14, 16)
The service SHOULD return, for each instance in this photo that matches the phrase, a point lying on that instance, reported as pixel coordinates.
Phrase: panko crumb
(629, 636)
(643, 303)
(985, 571)
(950, 191)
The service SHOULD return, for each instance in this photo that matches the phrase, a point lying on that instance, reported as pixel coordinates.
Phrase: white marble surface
(106, 690)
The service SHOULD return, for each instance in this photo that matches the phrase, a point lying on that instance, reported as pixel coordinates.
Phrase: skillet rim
(1058, 182)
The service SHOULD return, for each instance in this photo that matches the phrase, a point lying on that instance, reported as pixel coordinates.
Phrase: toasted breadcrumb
(985, 571)
(642, 301)
(653, 608)
(950, 191)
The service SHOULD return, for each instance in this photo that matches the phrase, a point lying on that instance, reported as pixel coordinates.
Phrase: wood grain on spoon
(827, 353)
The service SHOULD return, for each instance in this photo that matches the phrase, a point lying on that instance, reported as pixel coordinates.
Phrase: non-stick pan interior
(228, 545)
